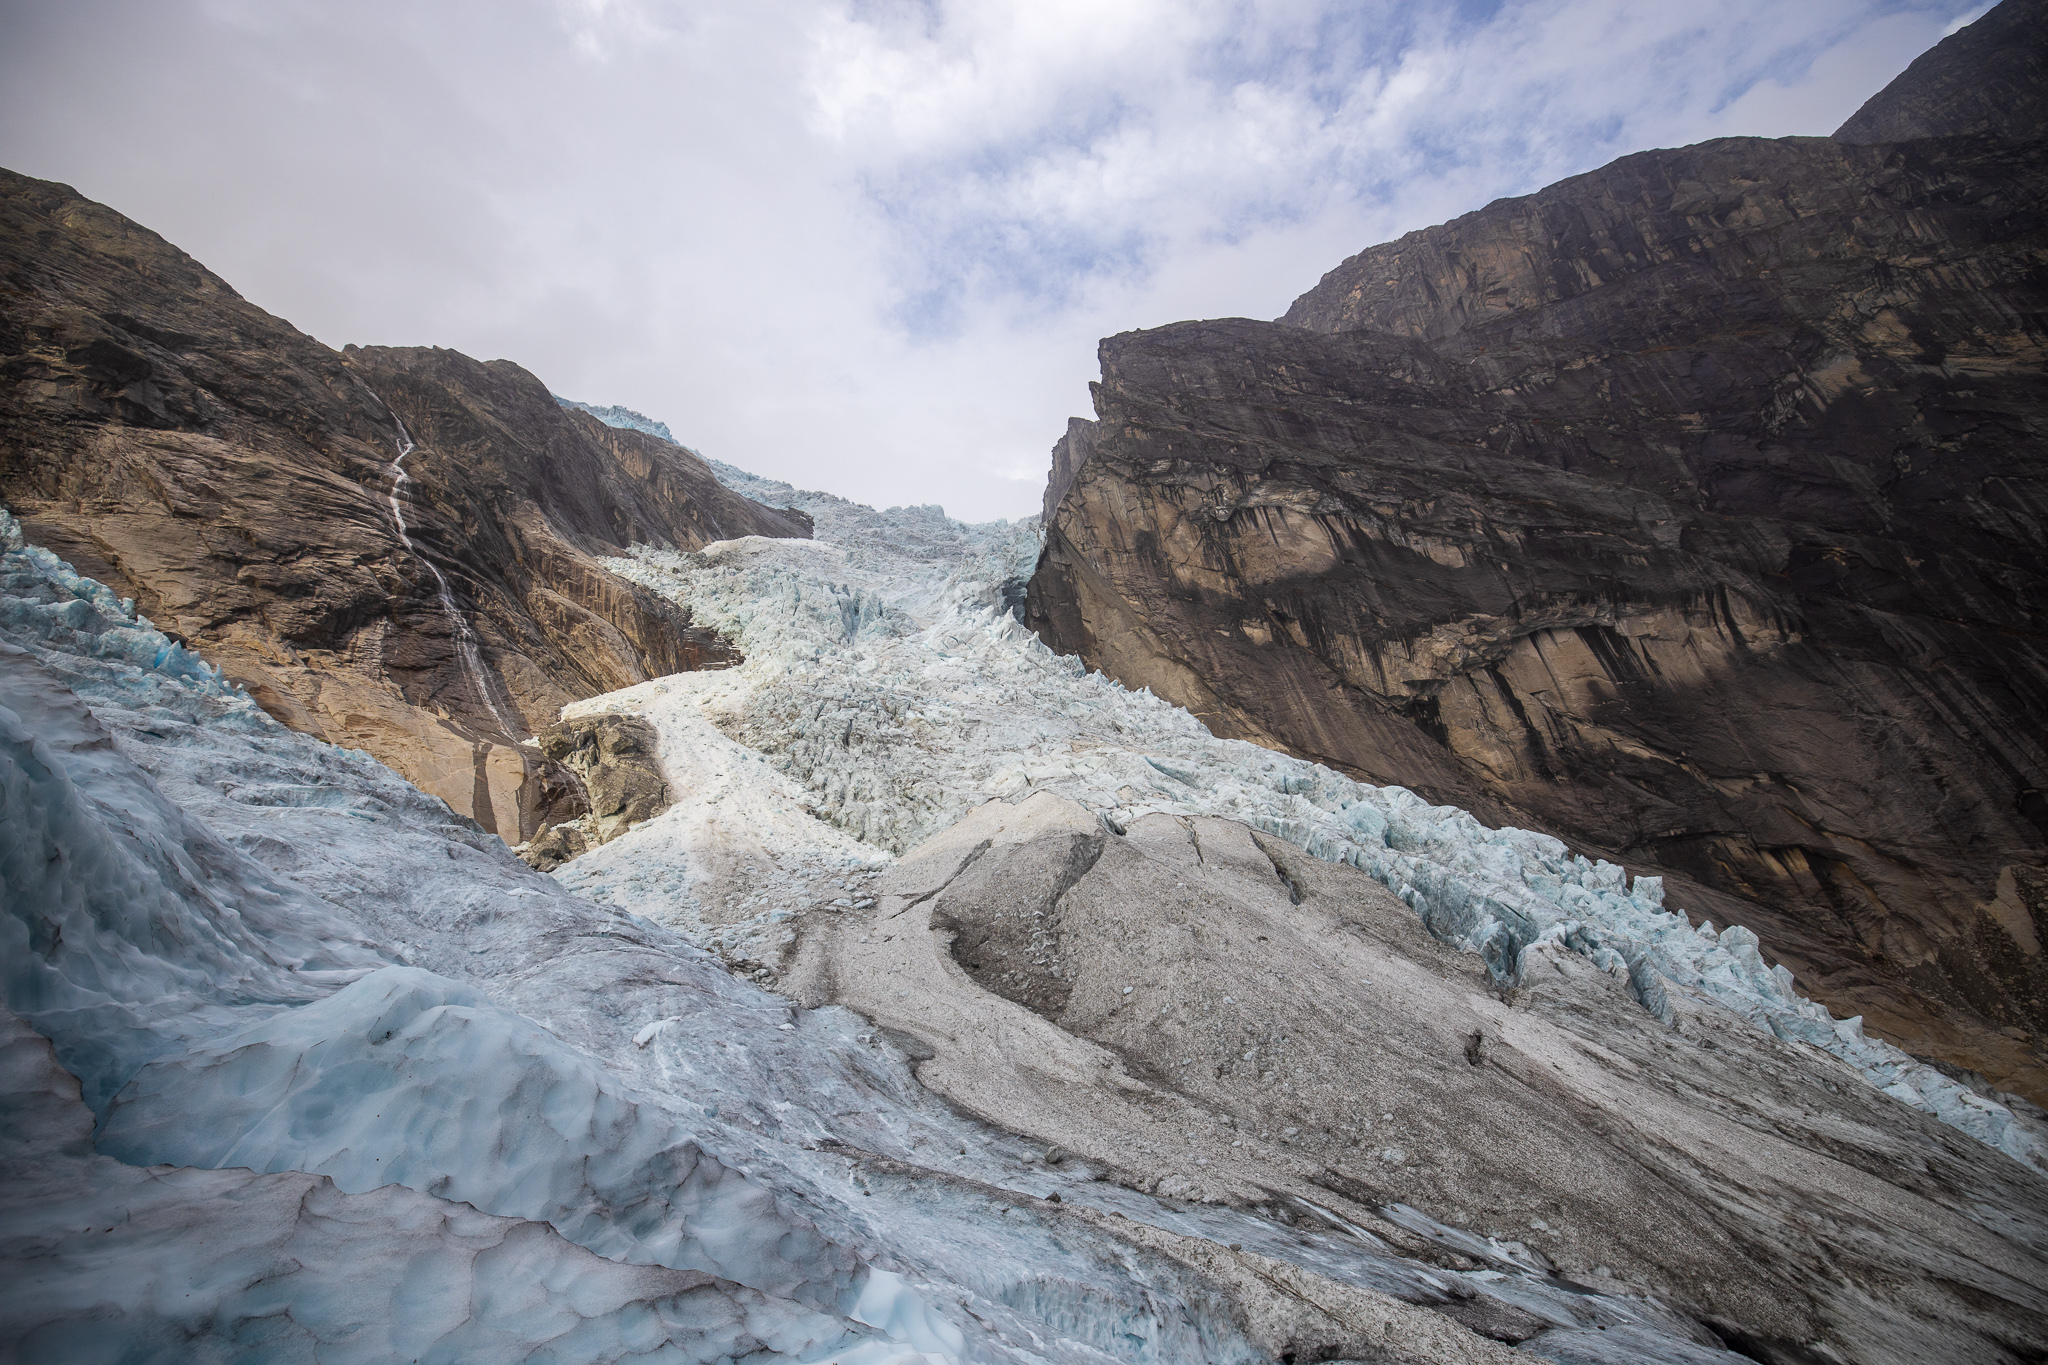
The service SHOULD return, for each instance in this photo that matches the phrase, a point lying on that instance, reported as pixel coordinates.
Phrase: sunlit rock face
(1688, 509)
(244, 484)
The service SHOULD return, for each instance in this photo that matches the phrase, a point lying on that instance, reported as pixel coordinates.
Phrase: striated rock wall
(236, 478)
(1692, 509)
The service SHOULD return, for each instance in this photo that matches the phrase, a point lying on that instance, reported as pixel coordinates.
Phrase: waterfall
(467, 653)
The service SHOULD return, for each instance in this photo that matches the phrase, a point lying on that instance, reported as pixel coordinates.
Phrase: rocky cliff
(243, 483)
(1691, 509)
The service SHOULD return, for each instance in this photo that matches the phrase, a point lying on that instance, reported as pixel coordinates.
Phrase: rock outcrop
(617, 761)
(1214, 1015)
(1691, 509)
(242, 482)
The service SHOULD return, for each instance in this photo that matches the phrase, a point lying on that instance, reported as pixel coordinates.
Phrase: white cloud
(860, 244)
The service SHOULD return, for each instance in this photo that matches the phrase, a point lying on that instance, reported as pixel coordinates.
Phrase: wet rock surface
(1211, 1014)
(236, 478)
(616, 759)
(1689, 509)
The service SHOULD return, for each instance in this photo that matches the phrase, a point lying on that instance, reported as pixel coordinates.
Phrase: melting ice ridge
(891, 689)
(616, 416)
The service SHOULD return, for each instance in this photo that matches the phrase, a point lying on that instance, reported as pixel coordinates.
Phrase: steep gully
(1692, 509)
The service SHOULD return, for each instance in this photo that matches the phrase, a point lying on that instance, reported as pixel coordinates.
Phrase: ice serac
(1687, 510)
(244, 484)
(616, 416)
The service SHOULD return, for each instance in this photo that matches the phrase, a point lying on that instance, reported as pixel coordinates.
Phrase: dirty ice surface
(889, 686)
(368, 1088)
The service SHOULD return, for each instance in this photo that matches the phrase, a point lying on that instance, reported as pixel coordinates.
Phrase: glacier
(220, 1011)
(626, 418)
(297, 1063)
(322, 1054)
(890, 688)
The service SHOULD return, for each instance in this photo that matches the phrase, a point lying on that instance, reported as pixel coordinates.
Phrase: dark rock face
(236, 478)
(1692, 509)
(617, 761)
(1992, 77)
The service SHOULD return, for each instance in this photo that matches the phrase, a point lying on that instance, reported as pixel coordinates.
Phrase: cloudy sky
(867, 245)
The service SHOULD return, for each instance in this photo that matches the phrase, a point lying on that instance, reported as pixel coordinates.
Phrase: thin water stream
(468, 653)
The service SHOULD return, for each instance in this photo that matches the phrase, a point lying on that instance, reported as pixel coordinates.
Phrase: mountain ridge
(1687, 508)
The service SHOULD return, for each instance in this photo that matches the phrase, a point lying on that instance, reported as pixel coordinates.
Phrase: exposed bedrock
(1691, 509)
(237, 478)
(1213, 1014)
(616, 759)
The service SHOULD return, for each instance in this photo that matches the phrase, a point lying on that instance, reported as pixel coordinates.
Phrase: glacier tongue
(891, 690)
(479, 1117)
(253, 947)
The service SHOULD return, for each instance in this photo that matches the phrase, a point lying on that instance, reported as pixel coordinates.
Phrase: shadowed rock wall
(235, 477)
(1693, 509)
